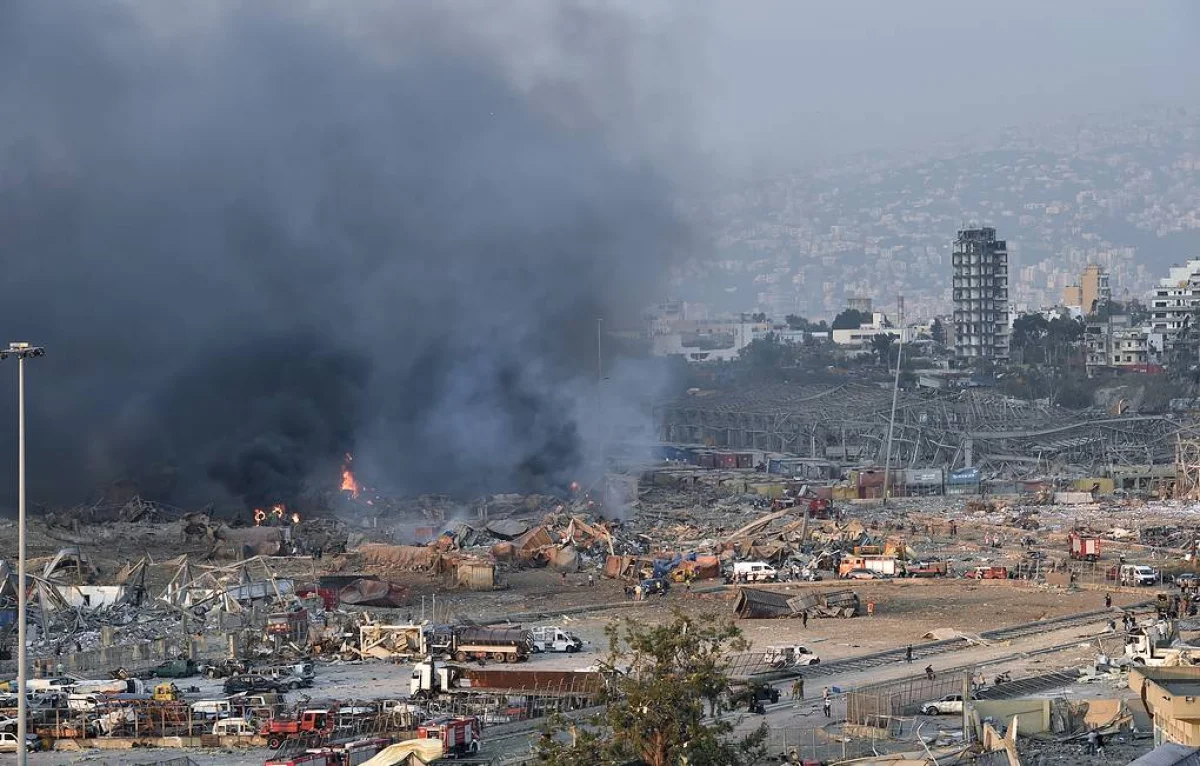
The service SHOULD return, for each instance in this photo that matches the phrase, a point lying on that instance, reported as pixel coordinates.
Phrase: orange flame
(349, 483)
(278, 510)
(259, 517)
(295, 518)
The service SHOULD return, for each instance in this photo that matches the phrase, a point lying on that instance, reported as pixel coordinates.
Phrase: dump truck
(1084, 548)
(502, 644)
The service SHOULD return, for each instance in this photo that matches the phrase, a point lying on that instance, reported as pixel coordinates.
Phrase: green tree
(881, 346)
(795, 322)
(850, 319)
(655, 706)
(937, 331)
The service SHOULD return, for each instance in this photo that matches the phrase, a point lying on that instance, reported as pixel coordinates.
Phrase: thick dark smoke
(257, 236)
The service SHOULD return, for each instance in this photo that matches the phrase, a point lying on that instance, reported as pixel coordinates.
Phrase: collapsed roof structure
(1010, 438)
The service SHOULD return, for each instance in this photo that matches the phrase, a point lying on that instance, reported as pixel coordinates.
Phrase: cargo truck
(502, 644)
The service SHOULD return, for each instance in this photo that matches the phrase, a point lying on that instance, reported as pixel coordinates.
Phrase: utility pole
(22, 351)
(599, 350)
(887, 461)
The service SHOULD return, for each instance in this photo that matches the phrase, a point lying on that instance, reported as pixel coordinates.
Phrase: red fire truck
(459, 736)
(1084, 548)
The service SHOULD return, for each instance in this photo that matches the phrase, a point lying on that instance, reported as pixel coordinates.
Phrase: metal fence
(132, 657)
(880, 705)
(827, 745)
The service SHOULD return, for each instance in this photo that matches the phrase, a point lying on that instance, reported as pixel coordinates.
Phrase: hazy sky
(790, 80)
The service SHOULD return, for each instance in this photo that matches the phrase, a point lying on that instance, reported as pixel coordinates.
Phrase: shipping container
(745, 460)
(964, 476)
(727, 460)
(706, 460)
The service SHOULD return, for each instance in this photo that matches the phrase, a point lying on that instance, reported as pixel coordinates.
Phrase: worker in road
(908, 657)
(929, 672)
(827, 705)
(804, 618)
(798, 689)
(1108, 601)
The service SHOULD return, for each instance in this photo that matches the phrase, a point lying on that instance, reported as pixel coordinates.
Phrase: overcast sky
(789, 80)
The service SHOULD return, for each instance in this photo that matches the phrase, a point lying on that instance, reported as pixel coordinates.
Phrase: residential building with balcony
(980, 295)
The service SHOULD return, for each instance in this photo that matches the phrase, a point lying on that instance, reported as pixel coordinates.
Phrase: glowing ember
(277, 511)
(574, 486)
(259, 516)
(295, 518)
(349, 483)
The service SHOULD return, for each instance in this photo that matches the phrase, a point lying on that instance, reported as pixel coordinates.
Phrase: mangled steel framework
(1009, 438)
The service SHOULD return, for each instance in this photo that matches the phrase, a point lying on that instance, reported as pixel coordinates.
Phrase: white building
(1175, 298)
(980, 294)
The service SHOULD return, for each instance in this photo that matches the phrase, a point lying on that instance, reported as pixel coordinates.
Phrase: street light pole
(22, 351)
(599, 351)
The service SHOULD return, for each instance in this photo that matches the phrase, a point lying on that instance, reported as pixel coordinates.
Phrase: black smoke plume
(257, 236)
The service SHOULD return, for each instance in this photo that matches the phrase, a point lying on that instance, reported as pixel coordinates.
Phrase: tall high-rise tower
(980, 295)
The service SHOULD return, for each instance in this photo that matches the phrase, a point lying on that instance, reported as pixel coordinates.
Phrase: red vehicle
(989, 573)
(1084, 548)
(459, 736)
(276, 730)
(360, 751)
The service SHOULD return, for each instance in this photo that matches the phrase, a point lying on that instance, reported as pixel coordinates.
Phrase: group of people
(826, 696)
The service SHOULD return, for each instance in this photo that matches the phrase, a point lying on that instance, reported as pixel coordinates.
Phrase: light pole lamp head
(23, 350)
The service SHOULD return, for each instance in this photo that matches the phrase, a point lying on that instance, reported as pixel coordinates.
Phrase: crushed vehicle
(251, 682)
(234, 727)
(278, 730)
(224, 669)
(988, 573)
(789, 656)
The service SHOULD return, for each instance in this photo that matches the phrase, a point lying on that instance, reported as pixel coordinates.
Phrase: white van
(233, 727)
(1138, 574)
(754, 571)
(212, 709)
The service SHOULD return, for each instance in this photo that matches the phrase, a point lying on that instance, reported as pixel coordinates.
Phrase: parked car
(861, 574)
(9, 741)
(951, 703)
(251, 682)
(8, 723)
(1187, 580)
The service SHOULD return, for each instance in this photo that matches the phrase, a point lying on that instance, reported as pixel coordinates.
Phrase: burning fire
(277, 511)
(295, 518)
(349, 483)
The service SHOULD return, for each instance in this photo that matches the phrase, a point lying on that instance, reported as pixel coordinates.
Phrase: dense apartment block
(980, 293)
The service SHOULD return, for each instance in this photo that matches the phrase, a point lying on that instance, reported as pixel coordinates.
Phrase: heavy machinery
(502, 644)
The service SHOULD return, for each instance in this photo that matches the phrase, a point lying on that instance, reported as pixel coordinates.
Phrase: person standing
(804, 618)
(827, 705)
(1108, 601)
(908, 654)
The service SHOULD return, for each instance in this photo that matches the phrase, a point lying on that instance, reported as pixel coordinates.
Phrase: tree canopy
(663, 676)
(851, 319)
